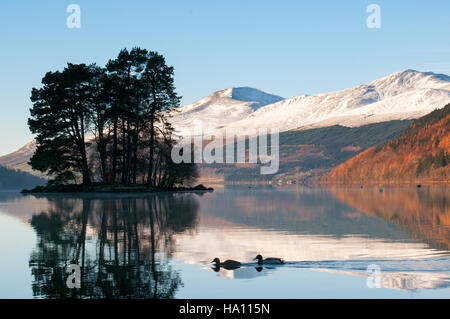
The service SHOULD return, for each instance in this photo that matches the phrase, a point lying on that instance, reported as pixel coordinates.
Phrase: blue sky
(284, 47)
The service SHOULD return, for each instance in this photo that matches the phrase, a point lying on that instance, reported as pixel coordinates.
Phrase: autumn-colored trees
(422, 153)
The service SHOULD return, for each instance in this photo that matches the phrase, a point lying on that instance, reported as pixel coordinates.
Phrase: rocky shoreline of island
(72, 188)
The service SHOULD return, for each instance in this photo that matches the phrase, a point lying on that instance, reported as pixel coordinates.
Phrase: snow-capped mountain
(404, 95)
(19, 157)
(222, 108)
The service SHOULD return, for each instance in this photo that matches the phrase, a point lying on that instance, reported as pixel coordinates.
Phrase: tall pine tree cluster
(109, 125)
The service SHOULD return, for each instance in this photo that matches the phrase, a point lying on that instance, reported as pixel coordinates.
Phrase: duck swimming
(269, 261)
(227, 264)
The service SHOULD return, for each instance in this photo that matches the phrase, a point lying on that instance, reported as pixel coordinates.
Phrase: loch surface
(337, 243)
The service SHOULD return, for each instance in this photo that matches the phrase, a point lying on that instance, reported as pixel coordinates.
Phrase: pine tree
(60, 118)
(162, 98)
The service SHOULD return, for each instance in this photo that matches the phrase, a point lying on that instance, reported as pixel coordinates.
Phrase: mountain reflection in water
(161, 245)
(423, 213)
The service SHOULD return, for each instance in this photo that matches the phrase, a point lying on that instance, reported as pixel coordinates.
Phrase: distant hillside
(19, 159)
(11, 179)
(420, 154)
(399, 96)
(300, 151)
(315, 149)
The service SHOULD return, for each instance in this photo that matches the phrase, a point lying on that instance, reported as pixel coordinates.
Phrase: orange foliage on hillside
(421, 154)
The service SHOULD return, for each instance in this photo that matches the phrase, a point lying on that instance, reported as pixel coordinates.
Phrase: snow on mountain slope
(404, 95)
(19, 157)
(222, 108)
(218, 109)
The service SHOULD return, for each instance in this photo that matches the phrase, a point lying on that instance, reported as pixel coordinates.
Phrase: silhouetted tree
(163, 97)
(123, 109)
(60, 118)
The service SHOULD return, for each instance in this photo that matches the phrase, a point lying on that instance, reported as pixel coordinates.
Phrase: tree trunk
(124, 153)
(102, 150)
(82, 148)
(85, 169)
(135, 154)
(152, 148)
(129, 154)
(114, 160)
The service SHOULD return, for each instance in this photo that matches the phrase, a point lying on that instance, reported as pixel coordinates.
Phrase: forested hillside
(316, 149)
(11, 179)
(421, 153)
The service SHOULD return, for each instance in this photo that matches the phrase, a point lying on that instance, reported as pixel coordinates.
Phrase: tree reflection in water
(121, 244)
(424, 213)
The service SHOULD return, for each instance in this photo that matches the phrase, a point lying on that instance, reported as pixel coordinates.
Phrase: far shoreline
(112, 189)
(383, 183)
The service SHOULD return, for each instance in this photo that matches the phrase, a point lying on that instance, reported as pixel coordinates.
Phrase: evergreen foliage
(108, 125)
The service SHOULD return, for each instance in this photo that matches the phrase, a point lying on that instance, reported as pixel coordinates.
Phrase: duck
(269, 261)
(227, 264)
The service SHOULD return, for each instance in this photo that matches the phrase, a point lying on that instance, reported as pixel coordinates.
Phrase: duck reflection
(243, 272)
(227, 264)
(122, 245)
(235, 270)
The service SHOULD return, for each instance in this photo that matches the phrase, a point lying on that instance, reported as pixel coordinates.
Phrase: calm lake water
(337, 243)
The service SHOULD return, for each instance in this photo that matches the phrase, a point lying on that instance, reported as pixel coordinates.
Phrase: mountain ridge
(403, 95)
(222, 108)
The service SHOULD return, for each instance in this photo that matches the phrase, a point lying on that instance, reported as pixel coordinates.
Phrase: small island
(74, 188)
(107, 129)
